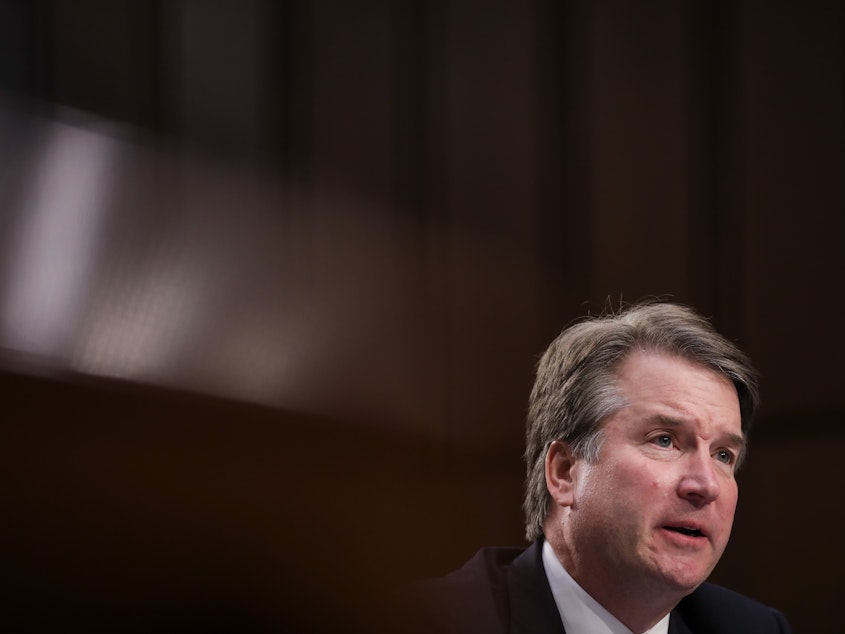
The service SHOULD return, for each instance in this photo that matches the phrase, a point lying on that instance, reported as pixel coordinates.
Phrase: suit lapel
(532, 606)
(677, 625)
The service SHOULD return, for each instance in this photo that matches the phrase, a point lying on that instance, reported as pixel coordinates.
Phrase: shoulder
(712, 608)
(499, 590)
(470, 599)
(487, 566)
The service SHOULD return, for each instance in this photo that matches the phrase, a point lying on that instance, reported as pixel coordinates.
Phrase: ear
(559, 473)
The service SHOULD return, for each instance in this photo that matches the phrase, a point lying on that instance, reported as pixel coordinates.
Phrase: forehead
(670, 385)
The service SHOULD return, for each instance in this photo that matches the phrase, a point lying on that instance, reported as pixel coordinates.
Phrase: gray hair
(575, 388)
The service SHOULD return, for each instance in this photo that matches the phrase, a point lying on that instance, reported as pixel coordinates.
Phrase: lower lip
(684, 541)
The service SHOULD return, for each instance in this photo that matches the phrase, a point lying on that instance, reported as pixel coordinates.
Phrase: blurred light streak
(137, 328)
(137, 260)
(54, 248)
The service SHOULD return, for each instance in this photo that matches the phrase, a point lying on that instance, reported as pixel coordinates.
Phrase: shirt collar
(581, 613)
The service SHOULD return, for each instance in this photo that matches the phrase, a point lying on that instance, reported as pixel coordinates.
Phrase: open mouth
(685, 530)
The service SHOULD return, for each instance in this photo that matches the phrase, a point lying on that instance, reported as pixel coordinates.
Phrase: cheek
(729, 500)
(622, 488)
(646, 478)
(725, 510)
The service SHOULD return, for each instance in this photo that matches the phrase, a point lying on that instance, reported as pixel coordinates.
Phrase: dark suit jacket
(505, 591)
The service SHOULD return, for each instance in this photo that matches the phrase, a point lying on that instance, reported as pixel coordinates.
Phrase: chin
(685, 582)
(682, 577)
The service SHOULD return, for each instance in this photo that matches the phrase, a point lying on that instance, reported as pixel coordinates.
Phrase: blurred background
(274, 277)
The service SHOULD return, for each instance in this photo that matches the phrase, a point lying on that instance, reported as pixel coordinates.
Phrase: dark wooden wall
(379, 213)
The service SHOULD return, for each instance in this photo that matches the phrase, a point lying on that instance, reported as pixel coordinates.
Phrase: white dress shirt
(581, 613)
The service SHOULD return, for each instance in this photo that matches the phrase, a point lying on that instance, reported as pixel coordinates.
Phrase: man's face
(655, 510)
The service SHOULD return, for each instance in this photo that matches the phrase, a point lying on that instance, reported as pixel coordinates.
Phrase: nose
(699, 483)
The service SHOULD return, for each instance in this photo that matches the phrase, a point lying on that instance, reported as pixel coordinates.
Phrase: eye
(663, 440)
(725, 456)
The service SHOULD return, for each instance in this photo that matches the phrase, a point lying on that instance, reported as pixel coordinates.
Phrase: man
(637, 423)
